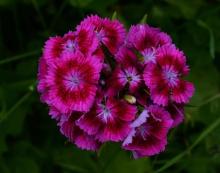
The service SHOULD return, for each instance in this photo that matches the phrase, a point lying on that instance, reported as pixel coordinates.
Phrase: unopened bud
(130, 99)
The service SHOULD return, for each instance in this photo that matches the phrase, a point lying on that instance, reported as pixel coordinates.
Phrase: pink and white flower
(164, 78)
(107, 120)
(73, 82)
(150, 129)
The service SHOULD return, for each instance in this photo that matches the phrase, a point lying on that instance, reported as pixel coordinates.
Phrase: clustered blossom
(103, 84)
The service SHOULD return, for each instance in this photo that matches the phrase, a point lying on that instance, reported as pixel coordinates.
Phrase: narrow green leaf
(16, 105)
(73, 168)
(211, 38)
(36, 6)
(205, 133)
(144, 19)
(114, 15)
(58, 14)
(217, 96)
(171, 162)
(18, 57)
(202, 136)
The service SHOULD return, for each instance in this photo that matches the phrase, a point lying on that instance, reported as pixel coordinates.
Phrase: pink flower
(111, 33)
(150, 129)
(83, 41)
(164, 77)
(72, 82)
(126, 56)
(107, 120)
(142, 37)
(122, 77)
(75, 135)
(97, 78)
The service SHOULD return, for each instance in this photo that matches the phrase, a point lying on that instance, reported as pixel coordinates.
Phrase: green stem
(18, 57)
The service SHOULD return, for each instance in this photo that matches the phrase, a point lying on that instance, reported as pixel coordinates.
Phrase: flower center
(131, 76)
(170, 76)
(70, 45)
(100, 35)
(72, 80)
(104, 113)
(149, 56)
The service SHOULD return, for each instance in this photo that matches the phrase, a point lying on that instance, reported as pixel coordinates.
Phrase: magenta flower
(126, 56)
(146, 40)
(122, 77)
(75, 135)
(150, 129)
(111, 33)
(142, 37)
(107, 120)
(72, 82)
(164, 78)
(96, 79)
(83, 41)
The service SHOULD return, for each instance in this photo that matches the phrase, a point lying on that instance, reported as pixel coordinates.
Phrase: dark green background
(30, 141)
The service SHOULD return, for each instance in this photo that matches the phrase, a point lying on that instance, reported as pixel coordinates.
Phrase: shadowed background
(30, 141)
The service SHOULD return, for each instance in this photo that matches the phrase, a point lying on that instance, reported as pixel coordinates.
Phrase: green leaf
(211, 38)
(80, 3)
(144, 19)
(24, 165)
(16, 105)
(72, 167)
(19, 57)
(114, 15)
(204, 134)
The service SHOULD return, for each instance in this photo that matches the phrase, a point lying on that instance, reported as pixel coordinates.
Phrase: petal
(183, 92)
(160, 121)
(114, 131)
(141, 119)
(89, 123)
(177, 114)
(160, 95)
(87, 142)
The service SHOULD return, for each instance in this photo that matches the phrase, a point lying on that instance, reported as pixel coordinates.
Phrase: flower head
(148, 136)
(98, 78)
(110, 33)
(122, 77)
(142, 37)
(75, 135)
(107, 120)
(82, 41)
(164, 78)
(72, 82)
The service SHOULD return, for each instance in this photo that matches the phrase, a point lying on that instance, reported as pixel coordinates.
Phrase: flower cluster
(102, 84)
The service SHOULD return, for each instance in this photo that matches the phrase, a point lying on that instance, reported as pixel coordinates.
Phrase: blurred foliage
(30, 142)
